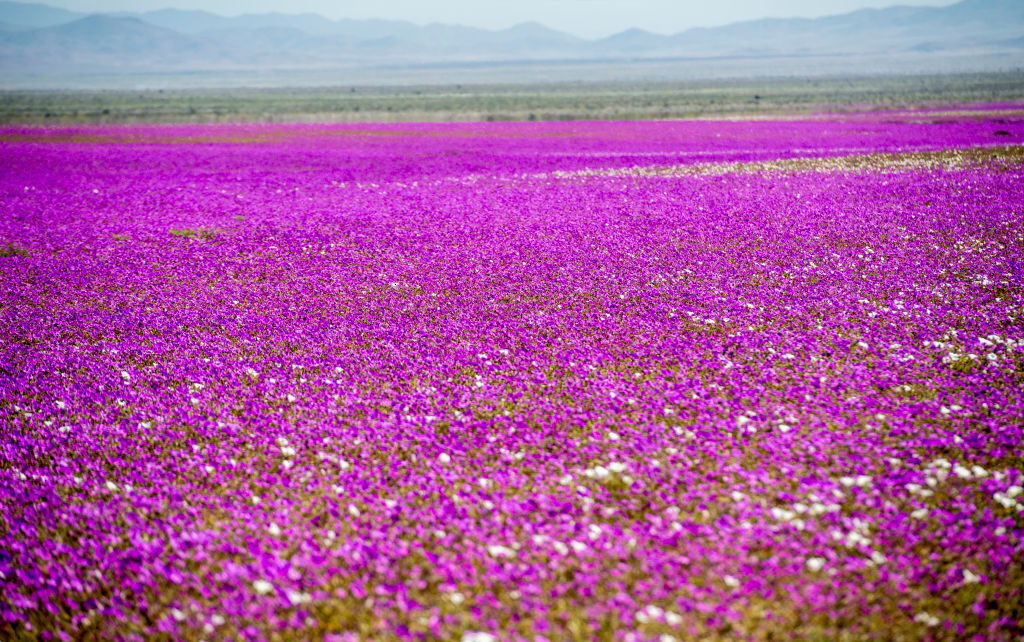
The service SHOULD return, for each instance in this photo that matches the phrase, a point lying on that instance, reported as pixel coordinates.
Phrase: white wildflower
(649, 613)
(497, 550)
(296, 598)
(782, 514)
(1004, 500)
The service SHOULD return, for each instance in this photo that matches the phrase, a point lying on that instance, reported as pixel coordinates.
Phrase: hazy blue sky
(588, 18)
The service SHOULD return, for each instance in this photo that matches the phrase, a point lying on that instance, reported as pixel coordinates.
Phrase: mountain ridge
(46, 39)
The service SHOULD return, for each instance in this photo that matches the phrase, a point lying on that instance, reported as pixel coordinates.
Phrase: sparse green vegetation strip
(1001, 156)
(561, 101)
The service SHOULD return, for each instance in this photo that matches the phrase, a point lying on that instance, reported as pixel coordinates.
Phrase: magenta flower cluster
(631, 381)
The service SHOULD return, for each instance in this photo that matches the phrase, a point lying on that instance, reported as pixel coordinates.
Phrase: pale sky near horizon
(587, 18)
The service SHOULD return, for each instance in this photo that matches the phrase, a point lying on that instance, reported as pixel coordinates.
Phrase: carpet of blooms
(562, 381)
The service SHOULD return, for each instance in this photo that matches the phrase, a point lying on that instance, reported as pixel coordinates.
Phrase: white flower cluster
(563, 549)
(687, 435)
(971, 578)
(298, 597)
(815, 563)
(604, 472)
(338, 461)
(863, 481)
(653, 613)
(499, 550)
(1008, 499)
(858, 538)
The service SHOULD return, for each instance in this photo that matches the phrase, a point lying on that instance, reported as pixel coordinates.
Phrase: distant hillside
(36, 38)
(21, 15)
(104, 42)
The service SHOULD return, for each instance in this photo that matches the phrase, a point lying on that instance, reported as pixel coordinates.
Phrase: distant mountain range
(36, 38)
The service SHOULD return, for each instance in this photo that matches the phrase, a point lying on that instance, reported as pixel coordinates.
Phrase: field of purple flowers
(562, 381)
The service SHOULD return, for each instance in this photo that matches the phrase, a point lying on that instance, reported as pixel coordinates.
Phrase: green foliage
(13, 249)
(516, 100)
(202, 234)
